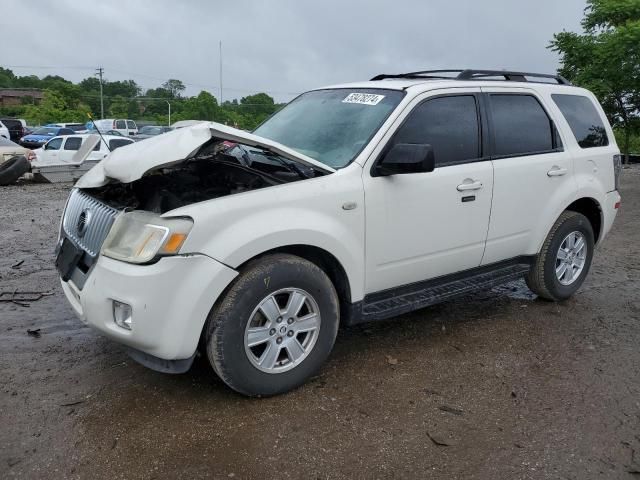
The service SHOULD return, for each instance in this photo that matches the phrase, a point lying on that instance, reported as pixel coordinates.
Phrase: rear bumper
(610, 210)
(169, 300)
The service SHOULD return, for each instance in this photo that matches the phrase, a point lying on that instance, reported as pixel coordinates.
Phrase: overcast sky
(278, 46)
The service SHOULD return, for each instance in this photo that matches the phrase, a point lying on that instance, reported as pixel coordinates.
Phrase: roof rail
(469, 74)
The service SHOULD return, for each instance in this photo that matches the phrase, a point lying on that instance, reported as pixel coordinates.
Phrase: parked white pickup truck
(354, 203)
(62, 149)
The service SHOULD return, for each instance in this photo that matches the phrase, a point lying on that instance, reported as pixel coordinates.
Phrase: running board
(397, 301)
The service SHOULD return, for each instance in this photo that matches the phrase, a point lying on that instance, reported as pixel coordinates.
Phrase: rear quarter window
(584, 120)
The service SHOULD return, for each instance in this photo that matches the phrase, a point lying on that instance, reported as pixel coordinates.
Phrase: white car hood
(127, 164)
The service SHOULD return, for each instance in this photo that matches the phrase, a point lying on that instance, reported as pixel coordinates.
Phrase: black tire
(13, 169)
(542, 278)
(226, 324)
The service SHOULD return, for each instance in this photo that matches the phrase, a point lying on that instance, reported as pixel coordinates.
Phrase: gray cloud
(280, 46)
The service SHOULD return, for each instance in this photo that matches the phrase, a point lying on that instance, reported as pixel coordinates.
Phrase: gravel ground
(498, 385)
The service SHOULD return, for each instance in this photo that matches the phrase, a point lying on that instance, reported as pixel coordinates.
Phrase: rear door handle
(557, 171)
(469, 184)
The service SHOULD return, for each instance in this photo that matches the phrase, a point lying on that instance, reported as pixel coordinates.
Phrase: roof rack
(469, 74)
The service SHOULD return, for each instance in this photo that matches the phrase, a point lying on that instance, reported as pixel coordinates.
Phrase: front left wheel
(275, 326)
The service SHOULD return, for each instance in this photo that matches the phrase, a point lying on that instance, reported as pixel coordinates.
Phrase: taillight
(617, 170)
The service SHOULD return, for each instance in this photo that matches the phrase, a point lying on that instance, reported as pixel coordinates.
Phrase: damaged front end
(217, 161)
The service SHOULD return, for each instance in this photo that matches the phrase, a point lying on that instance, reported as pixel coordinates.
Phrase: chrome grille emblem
(89, 232)
(83, 222)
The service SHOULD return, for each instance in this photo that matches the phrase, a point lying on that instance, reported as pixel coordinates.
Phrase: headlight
(138, 237)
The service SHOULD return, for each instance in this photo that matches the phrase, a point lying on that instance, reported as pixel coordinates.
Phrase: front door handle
(469, 184)
(556, 171)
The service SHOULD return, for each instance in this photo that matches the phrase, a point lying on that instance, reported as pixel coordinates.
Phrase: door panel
(424, 225)
(525, 185)
(419, 227)
(521, 193)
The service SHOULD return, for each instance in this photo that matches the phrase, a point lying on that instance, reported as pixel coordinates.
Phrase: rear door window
(520, 125)
(131, 124)
(584, 120)
(73, 143)
(121, 124)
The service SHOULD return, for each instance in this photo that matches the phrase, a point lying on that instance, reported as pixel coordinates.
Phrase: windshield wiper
(291, 166)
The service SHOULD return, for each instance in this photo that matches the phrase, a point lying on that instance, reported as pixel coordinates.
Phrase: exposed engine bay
(216, 171)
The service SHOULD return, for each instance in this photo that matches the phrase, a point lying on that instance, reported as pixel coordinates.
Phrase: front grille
(87, 221)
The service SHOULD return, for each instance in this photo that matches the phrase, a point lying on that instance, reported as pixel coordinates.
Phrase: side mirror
(406, 158)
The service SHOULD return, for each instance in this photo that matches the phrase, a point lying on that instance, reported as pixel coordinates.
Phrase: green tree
(605, 58)
(174, 87)
(202, 107)
(126, 88)
(119, 107)
(54, 108)
(7, 78)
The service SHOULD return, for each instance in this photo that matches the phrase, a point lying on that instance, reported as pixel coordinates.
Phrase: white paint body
(403, 229)
(64, 154)
(4, 131)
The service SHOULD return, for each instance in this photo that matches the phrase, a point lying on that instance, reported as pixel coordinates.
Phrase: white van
(124, 126)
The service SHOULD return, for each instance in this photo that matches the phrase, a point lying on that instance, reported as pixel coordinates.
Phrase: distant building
(14, 96)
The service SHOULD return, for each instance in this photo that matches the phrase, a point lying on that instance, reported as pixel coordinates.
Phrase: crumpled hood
(129, 163)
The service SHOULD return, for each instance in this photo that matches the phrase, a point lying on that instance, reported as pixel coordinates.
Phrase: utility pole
(100, 71)
(220, 72)
(169, 111)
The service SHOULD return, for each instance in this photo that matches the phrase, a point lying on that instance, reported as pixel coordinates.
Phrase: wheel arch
(327, 262)
(590, 208)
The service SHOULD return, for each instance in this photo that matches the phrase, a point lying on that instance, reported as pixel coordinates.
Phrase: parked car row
(17, 131)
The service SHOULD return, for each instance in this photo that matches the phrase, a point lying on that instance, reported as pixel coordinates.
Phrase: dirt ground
(498, 385)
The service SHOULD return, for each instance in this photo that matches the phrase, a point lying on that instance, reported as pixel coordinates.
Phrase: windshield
(46, 131)
(331, 126)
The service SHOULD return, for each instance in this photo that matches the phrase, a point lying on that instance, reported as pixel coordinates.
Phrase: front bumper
(170, 301)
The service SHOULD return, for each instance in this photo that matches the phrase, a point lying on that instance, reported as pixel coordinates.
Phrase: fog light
(122, 315)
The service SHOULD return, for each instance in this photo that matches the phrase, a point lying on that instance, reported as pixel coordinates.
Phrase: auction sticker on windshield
(363, 98)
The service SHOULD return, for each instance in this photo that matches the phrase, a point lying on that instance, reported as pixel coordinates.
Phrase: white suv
(353, 203)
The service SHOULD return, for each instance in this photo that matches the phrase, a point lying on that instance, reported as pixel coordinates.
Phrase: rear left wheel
(564, 260)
